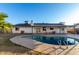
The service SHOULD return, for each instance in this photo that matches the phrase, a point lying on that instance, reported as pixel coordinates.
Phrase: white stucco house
(41, 28)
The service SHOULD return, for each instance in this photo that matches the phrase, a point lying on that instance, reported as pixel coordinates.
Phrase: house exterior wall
(25, 29)
(55, 29)
(34, 30)
(40, 30)
(50, 31)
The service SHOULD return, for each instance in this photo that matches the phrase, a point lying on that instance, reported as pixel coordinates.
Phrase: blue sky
(38, 12)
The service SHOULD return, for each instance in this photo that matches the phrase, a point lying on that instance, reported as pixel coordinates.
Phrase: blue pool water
(55, 40)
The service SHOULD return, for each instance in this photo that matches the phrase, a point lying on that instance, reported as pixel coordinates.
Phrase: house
(40, 28)
(22, 28)
(76, 26)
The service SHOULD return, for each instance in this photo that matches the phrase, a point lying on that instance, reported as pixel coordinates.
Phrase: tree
(2, 17)
(8, 27)
(4, 26)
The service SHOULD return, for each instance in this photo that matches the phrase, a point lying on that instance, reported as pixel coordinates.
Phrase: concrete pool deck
(47, 48)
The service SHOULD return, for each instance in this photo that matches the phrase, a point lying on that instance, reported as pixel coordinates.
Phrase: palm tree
(3, 16)
(8, 27)
(4, 26)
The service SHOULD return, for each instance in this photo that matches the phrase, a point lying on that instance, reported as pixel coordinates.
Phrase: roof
(41, 24)
(22, 25)
(48, 24)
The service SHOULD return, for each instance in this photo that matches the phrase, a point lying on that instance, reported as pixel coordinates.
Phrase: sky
(41, 12)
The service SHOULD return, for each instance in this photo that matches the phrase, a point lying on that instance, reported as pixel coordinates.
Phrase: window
(44, 28)
(16, 29)
(51, 28)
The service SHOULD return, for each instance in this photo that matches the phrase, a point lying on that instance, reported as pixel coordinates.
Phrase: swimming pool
(55, 40)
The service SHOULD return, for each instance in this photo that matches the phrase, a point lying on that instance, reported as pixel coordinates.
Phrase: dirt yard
(9, 48)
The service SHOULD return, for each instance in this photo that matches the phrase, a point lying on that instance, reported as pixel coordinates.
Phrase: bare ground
(9, 48)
